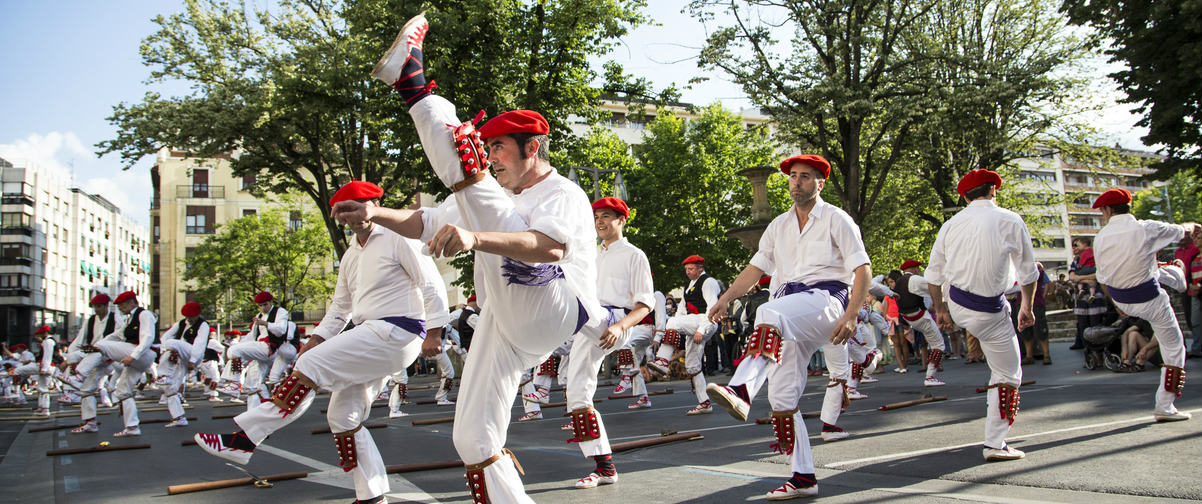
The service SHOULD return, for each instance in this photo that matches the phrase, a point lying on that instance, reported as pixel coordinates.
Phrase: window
(156, 228)
(295, 221)
(200, 183)
(15, 253)
(188, 253)
(199, 219)
(247, 212)
(13, 219)
(248, 181)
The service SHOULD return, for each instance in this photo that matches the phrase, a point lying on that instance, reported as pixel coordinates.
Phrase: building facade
(59, 246)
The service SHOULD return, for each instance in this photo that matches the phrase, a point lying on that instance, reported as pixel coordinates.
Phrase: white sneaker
(728, 400)
(446, 402)
(900, 370)
(1171, 417)
(854, 394)
(540, 395)
(788, 491)
(412, 34)
(216, 399)
(932, 382)
(215, 444)
(623, 385)
(533, 415)
(868, 379)
(42, 412)
(704, 408)
(594, 479)
(659, 365)
(643, 402)
(106, 404)
(396, 413)
(128, 432)
(829, 436)
(85, 428)
(1006, 453)
(178, 422)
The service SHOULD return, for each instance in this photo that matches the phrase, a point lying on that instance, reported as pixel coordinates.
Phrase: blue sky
(67, 62)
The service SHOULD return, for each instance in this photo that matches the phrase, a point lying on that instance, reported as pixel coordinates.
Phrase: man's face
(805, 182)
(892, 284)
(609, 224)
(361, 225)
(100, 309)
(508, 164)
(693, 270)
(192, 320)
(127, 306)
(264, 306)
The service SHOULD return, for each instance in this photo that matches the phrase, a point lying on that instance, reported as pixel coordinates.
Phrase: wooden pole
(214, 485)
(1023, 384)
(631, 396)
(224, 416)
(326, 430)
(433, 421)
(642, 443)
(431, 401)
(95, 449)
(427, 466)
(904, 404)
(52, 427)
(165, 420)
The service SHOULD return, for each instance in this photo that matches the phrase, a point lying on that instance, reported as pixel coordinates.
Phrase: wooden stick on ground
(52, 427)
(426, 466)
(631, 396)
(904, 404)
(165, 420)
(431, 401)
(214, 485)
(95, 449)
(326, 430)
(433, 421)
(642, 443)
(225, 416)
(1024, 384)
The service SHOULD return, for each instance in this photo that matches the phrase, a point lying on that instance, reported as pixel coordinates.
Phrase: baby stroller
(1103, 345)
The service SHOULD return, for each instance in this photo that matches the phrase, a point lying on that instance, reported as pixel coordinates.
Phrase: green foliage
(287, 86)
(262, 252)
(1182, 192)
(687, 193)
(1160, 45)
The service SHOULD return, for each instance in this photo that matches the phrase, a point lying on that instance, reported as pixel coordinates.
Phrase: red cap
(910, 263)
(190, 309)
(693, 259)
(357, 190)
(233, 332)
(515, 121)
(812, 160)
(1112, 197)
(614, 204)
(765, 280)
(263, 297)
(301, 330)
(212, 330)
(126, 296)
(100, 299)
(43, 329)
(471, 298)
(19, 347)
(977, 177)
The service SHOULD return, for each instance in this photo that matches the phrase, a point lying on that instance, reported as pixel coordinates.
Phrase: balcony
(17, 199)
(12, 230)
(199, 191)
(15, 291)
(16, 261)
(1084, 230)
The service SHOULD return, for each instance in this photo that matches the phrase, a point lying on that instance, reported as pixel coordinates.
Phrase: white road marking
(402, 489)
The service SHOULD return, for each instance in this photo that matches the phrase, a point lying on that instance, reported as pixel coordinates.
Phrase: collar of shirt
(617, 243)
(376, 229)
(988, 203)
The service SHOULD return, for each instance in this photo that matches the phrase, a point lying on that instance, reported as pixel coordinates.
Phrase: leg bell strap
(1007, 400)
(783, 429)
(290, 392)
(584, 425)
(348, 456)
(1174, 379)
(671, 337)
(549, 367)
(935, 357)
(471, 153)
(764, 341)
(475, 475)
(236, 365)
(625, 357)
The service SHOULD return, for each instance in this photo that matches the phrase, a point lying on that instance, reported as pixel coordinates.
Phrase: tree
(283, 250)
(287, 87)
(1160, 45)
(1175, 201)
(686, 193)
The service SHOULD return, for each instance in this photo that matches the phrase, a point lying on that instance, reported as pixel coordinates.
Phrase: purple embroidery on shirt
(837, 289)
(534, 275)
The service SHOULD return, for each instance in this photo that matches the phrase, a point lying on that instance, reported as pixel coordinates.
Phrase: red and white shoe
(128, 432)
(1005, 453)
(623, 385)
(594, 479)
(540, 395)
(411, 36)
(868, 379)
(643, 402)
(835, 435)
(178, 422)
(854, 394)
(659, 365)
(704, 408)
(567, 427)
(533, 415)
(932, 382)
(788, 491)
(728, 400)
(218, 445)
(85, 428)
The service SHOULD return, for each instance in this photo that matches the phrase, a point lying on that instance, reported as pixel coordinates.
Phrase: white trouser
(805, 321)
(210, 374)
(131, 374)
(926, 325)
(1159, 313)
(446, 374)
(353, 365)
(582, 383)
(256, 359)
(640, 340)
(285, 355)
(95, 369)
(175, 372)
(687, 326)
(999, 343)
(395, 380)
(41, 381)
(527, 387)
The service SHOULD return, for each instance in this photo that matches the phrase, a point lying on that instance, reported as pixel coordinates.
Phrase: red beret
(812, 160)
(233, 332)
(19, 347)
(190, 309)
(263, 297)
(975, 178)
(100, 299)
(471, 298)
(301, 329)
(212, 330)
(126, 296)
(1112, 197)
(614, 204)
(910, 263)
(515, 121)
(357, 190)
(43, 329)
(765, 280)
(693, 259)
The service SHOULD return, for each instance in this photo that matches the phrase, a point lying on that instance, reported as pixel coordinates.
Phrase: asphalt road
(1089, 438)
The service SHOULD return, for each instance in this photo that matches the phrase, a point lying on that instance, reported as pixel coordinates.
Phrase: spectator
(1138, 346)
(1088, 309)
(1192, 297)
(1039, 331)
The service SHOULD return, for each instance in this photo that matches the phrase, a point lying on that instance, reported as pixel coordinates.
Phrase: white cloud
(64, 155)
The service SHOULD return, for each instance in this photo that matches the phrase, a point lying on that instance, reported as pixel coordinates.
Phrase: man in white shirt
(210, 364)
(624, 288)
(977, 255)
(535, 256)
(269, 331)
(815, 256)
(390, 292)
(90, 363)
(911, 289)
(183, 347)
(1125, 251)
(693, 328)
(40, 368)
(130, 345)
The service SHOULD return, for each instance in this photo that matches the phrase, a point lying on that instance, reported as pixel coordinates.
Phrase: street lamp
(619, 184)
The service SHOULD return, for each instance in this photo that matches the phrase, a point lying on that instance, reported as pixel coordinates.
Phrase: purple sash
(581, 316)
(407, 324)
(837, 289)
(1141, 293)
(536, 275)
(974, 302)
